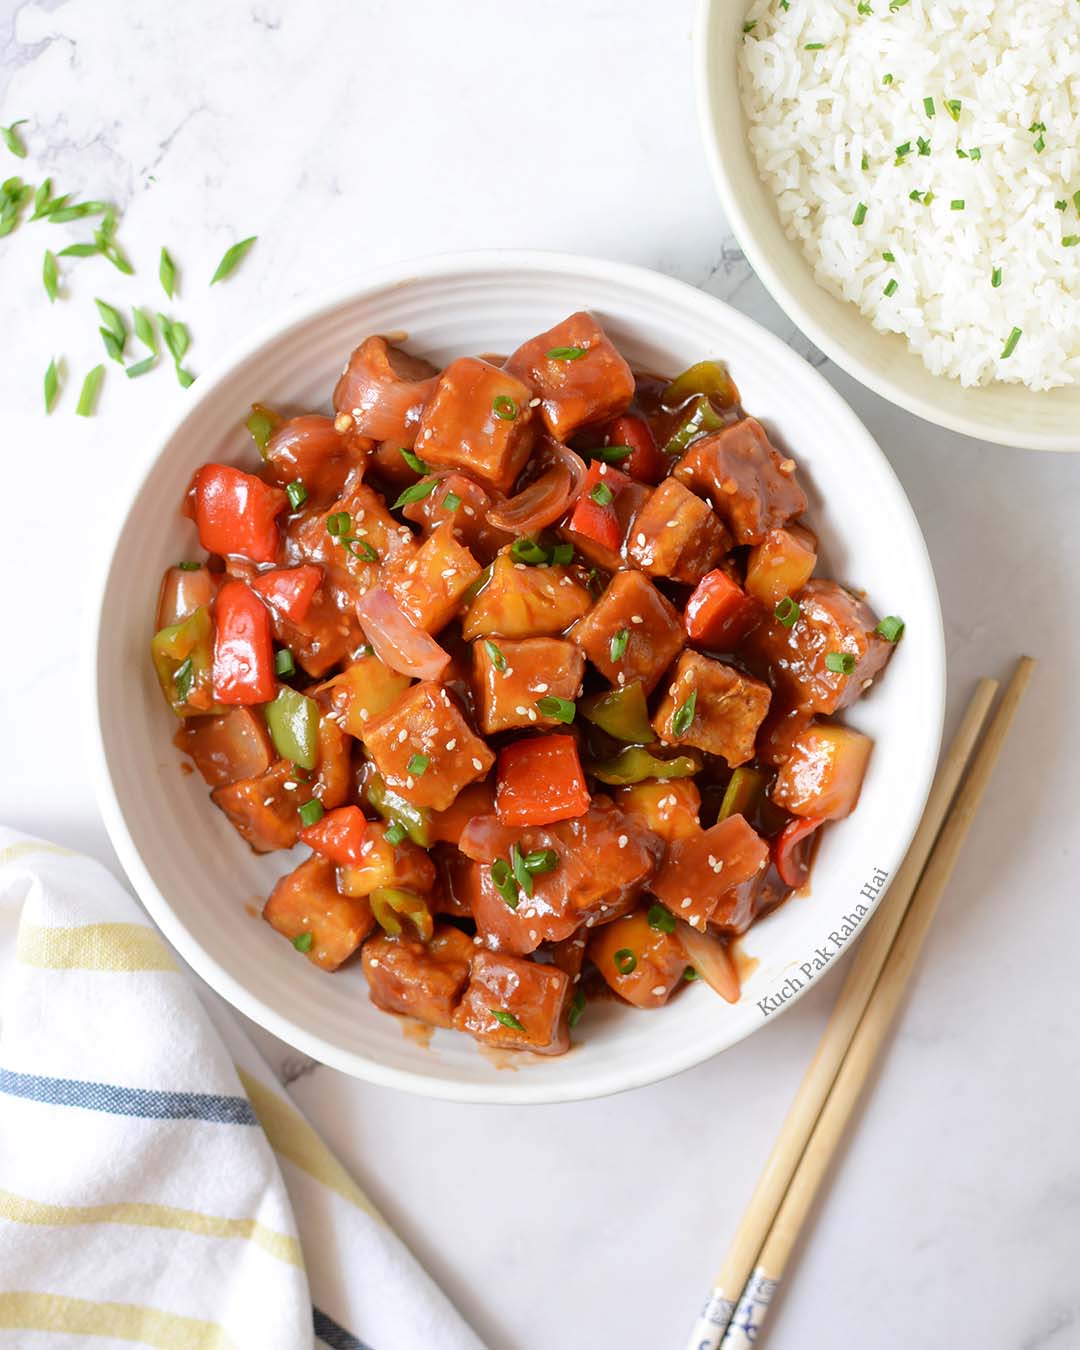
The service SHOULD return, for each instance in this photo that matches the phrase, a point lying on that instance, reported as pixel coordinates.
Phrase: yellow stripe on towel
(93, 946)
(28, 847)
(26, 1311)
(292, 1137)
(21, 1209)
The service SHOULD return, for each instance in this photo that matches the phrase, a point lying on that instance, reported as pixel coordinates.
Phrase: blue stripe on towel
(334, 1335)
(124, 1101)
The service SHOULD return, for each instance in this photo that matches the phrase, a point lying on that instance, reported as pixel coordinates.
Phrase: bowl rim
(707, 14)
(205, 965)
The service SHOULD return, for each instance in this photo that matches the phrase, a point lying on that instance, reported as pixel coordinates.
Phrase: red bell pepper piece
(243, 647)
(339, 836)
(540, 781)
(236, 513)
(647, 462)
(792, 849)
(598, 520)
(289, 590)
(719, 614)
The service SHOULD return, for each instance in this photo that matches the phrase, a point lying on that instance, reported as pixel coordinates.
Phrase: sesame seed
(567, 581)
(787, 466)
(428, 433)
(532, 714)
(867, 683)
(540, 688)
(268, 801)
(671, 523)
(687, 901)
(451, 743)
(534, 403)
(642, 541)
(519, 567)
(374, 961)
(363, 714)
(289, 785)
(533, 935)
(409, 781)
(342, 422)
(356, 411)
(621, 677)
(468, 510)
(402, 736)
(477, 764)
(636, 618)
(696, 921)
(623, 841)
(658, 991)
(448, 573)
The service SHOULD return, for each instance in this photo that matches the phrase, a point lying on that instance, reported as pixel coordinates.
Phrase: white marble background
(347, 133)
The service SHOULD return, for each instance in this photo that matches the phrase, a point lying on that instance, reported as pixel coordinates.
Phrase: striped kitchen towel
(157, 1185)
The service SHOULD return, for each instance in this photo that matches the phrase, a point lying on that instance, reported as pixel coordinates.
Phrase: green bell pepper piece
(293, 722)
(183, 656)
(699, 419)
(634, 765)
(387, 902)
(744, 793)
(622, 713)
(414, 820)
(710, 378)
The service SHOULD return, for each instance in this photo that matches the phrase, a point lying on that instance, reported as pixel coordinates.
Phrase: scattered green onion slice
(815, 46)
(506, 1018)
(975, 153)
(311, 812)
(568, 353)
(1070, 240)
(577, 1007)
(787, 611)
(232, 259)
(891, 287)
(113, 321)
(902, 150)
(924, 145)
(338, 523)
(144, 328)
(189, 566)
(840, 663)
(261, 425)
(748, 27)
(143, 367)
(661, 919)
(562, 554)
(543, 860)
(865, 161)
(617, 650)
(50, 275)
(13, 140)
(52, 386)
(112, 345)
(1062, 204)
(504, 407)
(952, 107)
(522, 875)
(395, 833)
(957, 204)
(167, 273)
(302, 942)
(451, 501)
(413, 460)
(528, 551)
(995, 277)
(416, 492)
(560, 709)
(690, 974)
(495, 656)
(1076, 202)
(184, 678)
(284, 663)
(860, 214)
(683, 719)
(296, 493)
(503, 881)
(890, 628)
(894, 5)
(602, 495)
(625, 961)
(928, 102)
(418, 764)
(1010, 344)
(88, 395)
(360, 548)
(612, 454)
(889, 257)
(887, 78)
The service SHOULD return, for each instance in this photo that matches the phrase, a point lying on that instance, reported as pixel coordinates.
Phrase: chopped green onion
(543, 860)
(617, 648)
(60, 215)
(889, 257)
(961, 153)
(506, 1018)
(113, 321)
(143, 367)
(167, 273)
(52, 386)
(562, 554)
(503, 881)
(261, 425)
(661, 919)
(902, 150)
(112, 345)
(887, 79)
(144, 328)
(1062, 205)
(683, 719)
(928, 103)
(232, 259)
(577, 1007)
(1010, 344)
(625, 960)
(891, 287)
(302, 942)
(815, 46)
(995, 277)
(416, 492)
(521, 873)
(787, 611)
(41, 199)
(311, 812)
(184, 678)
(189, 566)
(975, 153)
(1040, 143)
(451, 501)
(560, 709)
(1076, 202)
(747, 27)
(79, 251)
(504, 407)
(952, 107)
(915, 195)
(957, 204)
(865, 161)
(418, 764)
(860, 214)
(338, 523)
(13, 140)
(573, 353)
(395, 833)
(413, 460)
(88, 396)
(1070, 241)
(612, 454)
(360, 548)
(924, 145)
(840, 663)
(690, 974)
(296, 493)
(50, 275)
(894, 5)
(890, 628)
(528, 551)
(602, 495)
(284, 663)
(495, 656)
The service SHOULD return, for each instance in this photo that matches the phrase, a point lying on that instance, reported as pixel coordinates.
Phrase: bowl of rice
(904, 177)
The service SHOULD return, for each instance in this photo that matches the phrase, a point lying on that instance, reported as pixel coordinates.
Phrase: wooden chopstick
(874, 1026)
(862, 975)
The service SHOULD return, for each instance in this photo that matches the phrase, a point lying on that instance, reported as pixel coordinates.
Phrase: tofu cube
(702, 870)
(677, 535)
(511, 676)
(478, 420)
(307, 901)
(429, 586)
(425, 749)
(654, 633)
(728, 708)
(574, 390)
(467, 514)
(263, 809)
(419, 979)
(516, 1004)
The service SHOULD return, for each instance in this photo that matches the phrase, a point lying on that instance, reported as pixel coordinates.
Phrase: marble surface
(353, 132)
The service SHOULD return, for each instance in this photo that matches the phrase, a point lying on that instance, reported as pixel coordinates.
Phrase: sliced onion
(486, 838)
(398, 643)
(384, 392)
(547, 497)
(710, 957)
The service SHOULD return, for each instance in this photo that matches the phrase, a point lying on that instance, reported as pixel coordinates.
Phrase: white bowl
(1009, 414)
(203, 885)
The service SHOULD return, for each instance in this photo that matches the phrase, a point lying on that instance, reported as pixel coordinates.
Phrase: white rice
(814, 115)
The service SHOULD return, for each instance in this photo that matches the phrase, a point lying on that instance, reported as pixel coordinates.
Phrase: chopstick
(866, 966)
